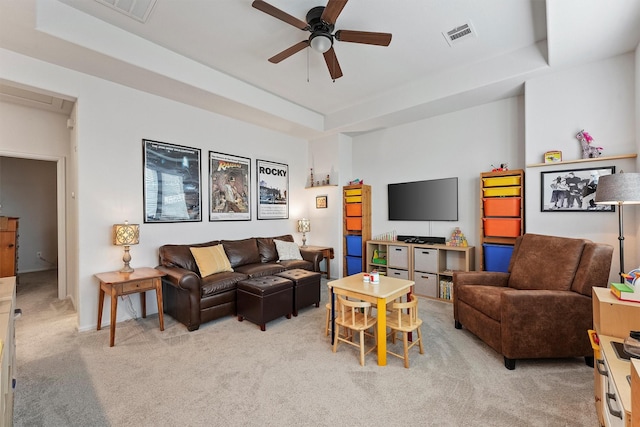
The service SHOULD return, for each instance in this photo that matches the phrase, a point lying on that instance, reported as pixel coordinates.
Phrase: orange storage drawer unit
(354, 209)
(354, 224)
(501, 227)
(502, 206)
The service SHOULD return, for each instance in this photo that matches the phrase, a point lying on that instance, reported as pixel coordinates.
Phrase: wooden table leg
(143, 303)
(382, 332)
(100, 306)
(114, 316)
(159, 298)
(327, 257)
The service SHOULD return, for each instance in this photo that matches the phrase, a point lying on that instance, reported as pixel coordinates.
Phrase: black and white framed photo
(572, 190)
(229, 187)
(171, 182)
(273, 190)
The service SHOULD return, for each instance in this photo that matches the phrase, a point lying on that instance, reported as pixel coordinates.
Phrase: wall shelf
(319, 186)
(597, 159)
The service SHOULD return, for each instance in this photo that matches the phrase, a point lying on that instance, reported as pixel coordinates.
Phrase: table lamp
(304, 226)
(125, 235)
(619, 189)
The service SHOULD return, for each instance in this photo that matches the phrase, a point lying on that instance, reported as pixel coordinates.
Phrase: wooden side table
(327, 253)
(116, 284)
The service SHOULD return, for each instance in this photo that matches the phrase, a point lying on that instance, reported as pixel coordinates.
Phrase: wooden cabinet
(7, 348)
(613, 320)
(501, 217)
(431, 267)
(356, 226)
(8, 246)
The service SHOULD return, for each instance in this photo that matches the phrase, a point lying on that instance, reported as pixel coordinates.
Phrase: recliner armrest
(485, 278)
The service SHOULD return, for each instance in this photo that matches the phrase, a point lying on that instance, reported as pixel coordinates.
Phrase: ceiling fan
(320, 23)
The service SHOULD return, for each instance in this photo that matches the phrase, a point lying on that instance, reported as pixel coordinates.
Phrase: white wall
(111, 122)
(461, 144)
(597, 98)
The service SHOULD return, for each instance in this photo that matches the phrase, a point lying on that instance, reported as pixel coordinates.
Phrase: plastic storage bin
(501, 227)
(354, 265)
(354, 209)
(502, 206)
(354, 223)
(497, 257)
(501, 181)
(500, 191)
(353, 192)
(354, 245)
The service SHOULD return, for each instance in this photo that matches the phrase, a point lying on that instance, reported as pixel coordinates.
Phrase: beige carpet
(230, 373)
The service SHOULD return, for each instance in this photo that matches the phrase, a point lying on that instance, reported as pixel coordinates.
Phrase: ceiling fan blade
(332, 10)
(289, 51)
(279, 14)
(365, 37)
(332, 63)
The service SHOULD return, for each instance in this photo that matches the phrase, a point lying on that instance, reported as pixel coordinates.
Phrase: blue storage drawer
(497, 257)
(354, 265)
(354, 245)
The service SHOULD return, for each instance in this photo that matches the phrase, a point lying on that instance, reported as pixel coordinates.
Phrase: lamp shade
(304, 225)
(618, 189)
(321, 42)
(126, 234)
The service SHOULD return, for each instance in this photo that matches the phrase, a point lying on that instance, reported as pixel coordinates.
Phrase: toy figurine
(503, 167)
(588, 151)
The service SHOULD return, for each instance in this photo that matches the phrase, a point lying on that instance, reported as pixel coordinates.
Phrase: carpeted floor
(229, 373)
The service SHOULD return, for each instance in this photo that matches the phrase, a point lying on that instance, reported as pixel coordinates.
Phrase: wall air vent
(136, 9)
(460, 33)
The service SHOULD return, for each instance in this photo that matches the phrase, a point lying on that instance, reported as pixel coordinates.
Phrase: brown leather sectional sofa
(193, 300)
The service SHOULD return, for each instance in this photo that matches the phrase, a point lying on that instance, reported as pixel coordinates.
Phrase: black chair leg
(589, 361)
(510, 364)
(457, 324)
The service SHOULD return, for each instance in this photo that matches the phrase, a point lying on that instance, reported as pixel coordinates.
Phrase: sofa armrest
(181, 278)
(545, 323)
(485, 278)
(313, 257)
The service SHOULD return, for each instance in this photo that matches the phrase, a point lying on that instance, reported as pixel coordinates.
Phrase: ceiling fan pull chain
(307, 65)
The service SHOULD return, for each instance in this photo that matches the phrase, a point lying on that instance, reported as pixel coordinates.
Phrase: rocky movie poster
(229, 198)
(273, 185)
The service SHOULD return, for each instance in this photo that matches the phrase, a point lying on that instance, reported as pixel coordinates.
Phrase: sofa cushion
(220, 282)
(267, 247)
(287, 250)
(545, 262)
(241, 252)
(211, 260)
(180, 255)
(485, 299)
(260, 269)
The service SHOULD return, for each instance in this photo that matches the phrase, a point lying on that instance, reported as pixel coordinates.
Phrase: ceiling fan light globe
(321, 42)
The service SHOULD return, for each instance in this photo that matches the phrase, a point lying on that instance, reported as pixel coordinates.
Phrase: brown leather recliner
(542, 307)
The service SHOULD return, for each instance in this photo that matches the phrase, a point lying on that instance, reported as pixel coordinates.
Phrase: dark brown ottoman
(263, 299)
(306, 287)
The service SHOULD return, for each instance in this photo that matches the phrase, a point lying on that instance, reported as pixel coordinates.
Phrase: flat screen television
(432, 200)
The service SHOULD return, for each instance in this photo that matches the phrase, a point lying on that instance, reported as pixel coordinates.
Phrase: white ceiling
(228, 42)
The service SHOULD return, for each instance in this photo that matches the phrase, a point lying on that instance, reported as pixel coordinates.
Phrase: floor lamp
(619, 189)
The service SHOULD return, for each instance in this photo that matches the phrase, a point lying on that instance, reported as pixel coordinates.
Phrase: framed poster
(273, 190)
(321, 202)
(229, 187)
(171, 182)
(572, 190)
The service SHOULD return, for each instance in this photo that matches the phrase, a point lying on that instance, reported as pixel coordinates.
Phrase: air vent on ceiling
(136, 9)
(460, 33)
